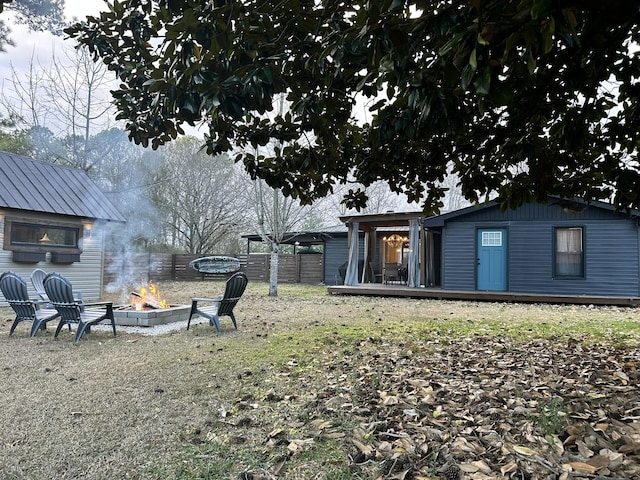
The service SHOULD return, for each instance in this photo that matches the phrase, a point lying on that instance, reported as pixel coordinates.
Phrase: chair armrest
(206, 299)
(95, 304)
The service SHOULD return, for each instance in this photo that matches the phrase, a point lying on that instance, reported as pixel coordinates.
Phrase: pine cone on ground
(452, 472)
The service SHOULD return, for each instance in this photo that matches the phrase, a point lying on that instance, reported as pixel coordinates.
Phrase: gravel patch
(150, 331)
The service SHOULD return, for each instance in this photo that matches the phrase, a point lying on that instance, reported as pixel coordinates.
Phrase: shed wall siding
(612, 260)
(459, 257)
(335, 254)
(530, 253)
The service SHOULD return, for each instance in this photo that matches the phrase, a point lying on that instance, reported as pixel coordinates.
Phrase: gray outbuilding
(54, 218)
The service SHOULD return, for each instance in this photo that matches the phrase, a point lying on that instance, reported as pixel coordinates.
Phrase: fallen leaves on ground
(493, 408)
(479, 409)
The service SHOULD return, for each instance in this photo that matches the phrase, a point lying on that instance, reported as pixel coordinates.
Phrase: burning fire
(148, 297)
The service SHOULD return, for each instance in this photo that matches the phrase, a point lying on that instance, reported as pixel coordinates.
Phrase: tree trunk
(273, 272)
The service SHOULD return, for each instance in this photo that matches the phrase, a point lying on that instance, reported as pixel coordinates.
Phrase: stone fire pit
(127, 315)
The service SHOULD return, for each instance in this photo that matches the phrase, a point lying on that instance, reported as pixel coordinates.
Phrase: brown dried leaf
(400, 475)
(582, 467)
(320, 424)
(364, 449)
(482, 466)
(509, 468)
(524, 450)
(468, 468)
(599, 461)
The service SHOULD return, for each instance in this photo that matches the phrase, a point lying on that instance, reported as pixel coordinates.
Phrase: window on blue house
(569, 252)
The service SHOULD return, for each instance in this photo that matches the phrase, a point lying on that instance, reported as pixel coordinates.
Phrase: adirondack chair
(213, 309)
(37, 280)
(72, 311)
(14, 289)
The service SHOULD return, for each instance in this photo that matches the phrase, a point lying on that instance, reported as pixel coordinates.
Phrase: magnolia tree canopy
(520, 98)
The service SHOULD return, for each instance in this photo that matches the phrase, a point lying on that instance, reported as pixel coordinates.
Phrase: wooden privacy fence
(144, 267)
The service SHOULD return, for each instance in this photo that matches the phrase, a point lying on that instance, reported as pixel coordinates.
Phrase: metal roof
(307, 237)
(37, 186)
(573, 203)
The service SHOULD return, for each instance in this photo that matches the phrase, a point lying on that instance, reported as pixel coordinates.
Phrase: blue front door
(492, 259)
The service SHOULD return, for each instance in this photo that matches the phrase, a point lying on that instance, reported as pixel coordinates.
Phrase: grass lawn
(313, 386)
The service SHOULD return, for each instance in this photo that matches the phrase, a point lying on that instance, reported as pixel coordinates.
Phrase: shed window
(30, 239)
(26, 234)
(569, 254)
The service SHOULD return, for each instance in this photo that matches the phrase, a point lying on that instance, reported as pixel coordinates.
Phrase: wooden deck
(377, 289)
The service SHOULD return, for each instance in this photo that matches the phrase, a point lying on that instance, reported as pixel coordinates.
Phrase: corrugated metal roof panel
(34, 185)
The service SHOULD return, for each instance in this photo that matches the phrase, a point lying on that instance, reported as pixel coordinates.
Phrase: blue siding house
(561, 247)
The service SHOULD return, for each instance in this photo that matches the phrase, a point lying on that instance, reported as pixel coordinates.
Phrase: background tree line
(177, 198)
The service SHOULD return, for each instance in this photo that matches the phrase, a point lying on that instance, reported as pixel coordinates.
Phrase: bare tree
(63, 104)
(453, 199)
(276, 215)
(381, 199)
(198, 194)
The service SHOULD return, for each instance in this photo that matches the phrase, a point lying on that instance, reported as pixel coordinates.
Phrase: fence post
(174, 276)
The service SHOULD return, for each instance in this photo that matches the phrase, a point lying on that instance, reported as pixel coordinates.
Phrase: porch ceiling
(391, 219)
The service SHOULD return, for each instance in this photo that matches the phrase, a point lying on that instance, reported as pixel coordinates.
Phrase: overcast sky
(40, 45)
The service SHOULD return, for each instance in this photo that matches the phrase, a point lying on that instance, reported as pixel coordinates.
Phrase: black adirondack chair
(37, 280)
(214, 308)
(72, 311)
(14, 289)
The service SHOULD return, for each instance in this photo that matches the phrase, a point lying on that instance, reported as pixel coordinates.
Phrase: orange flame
(151, 295)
